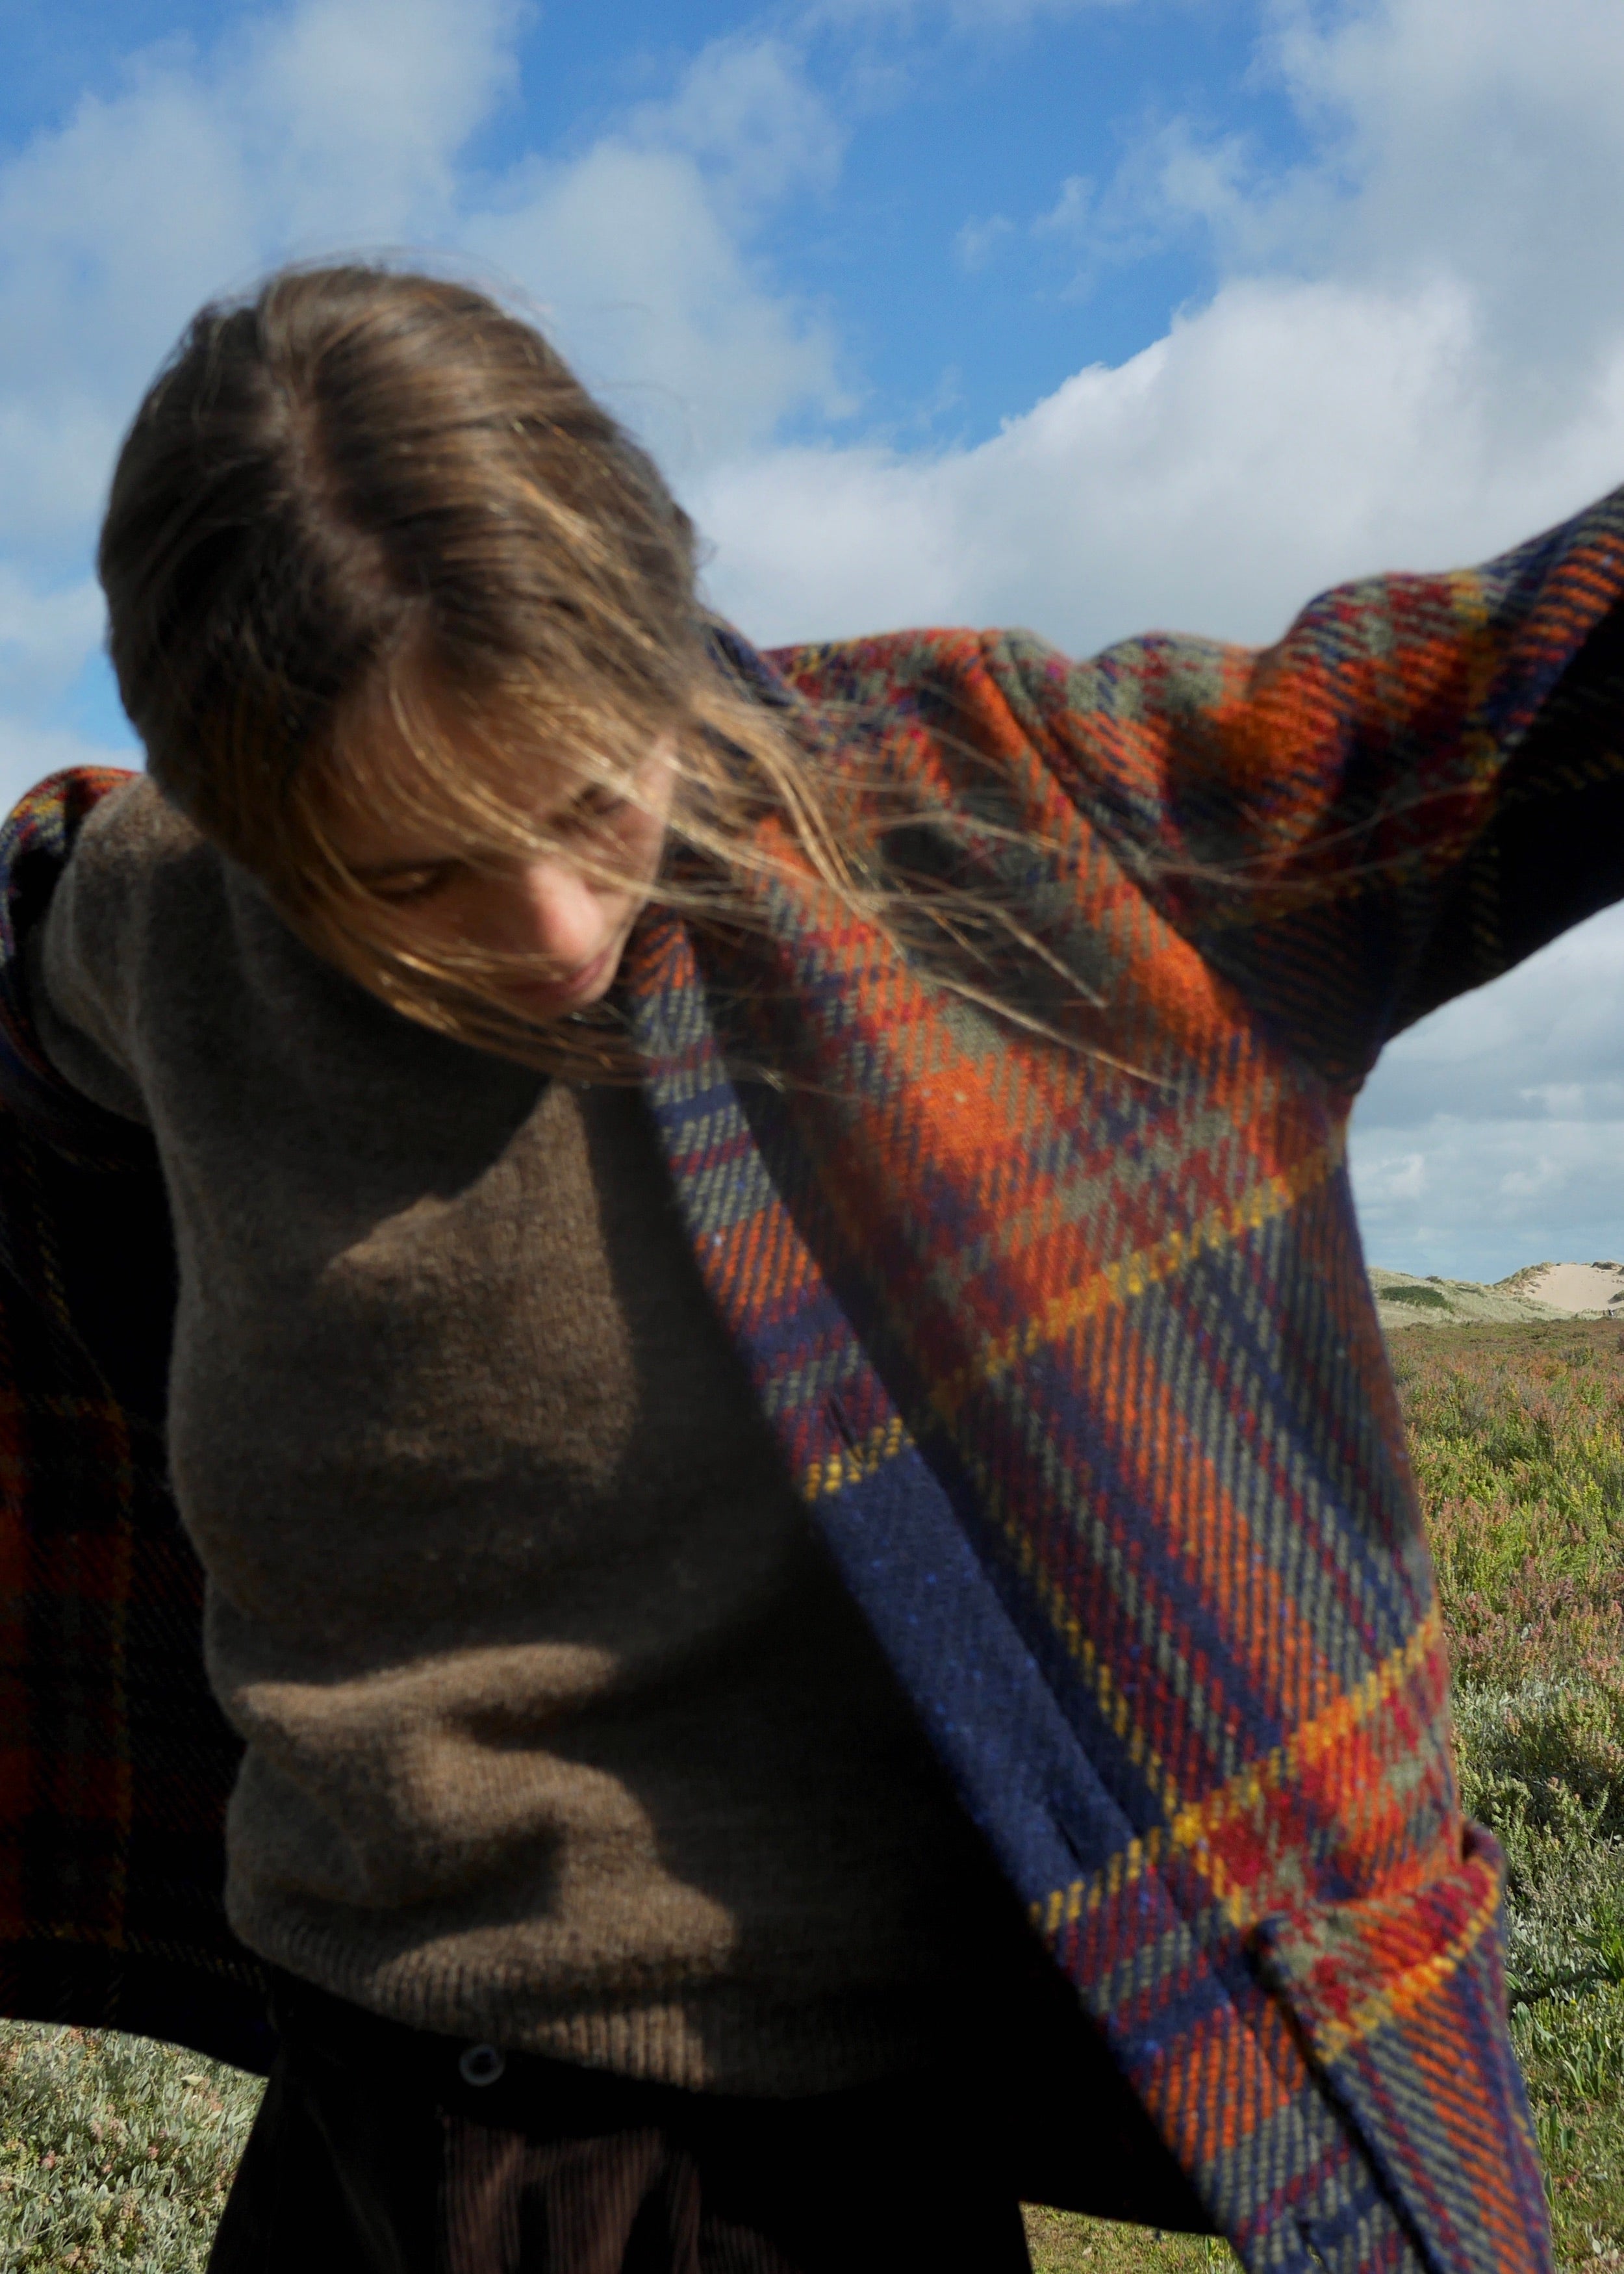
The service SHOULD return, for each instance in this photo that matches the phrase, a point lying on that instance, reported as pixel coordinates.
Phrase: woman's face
(550, 913)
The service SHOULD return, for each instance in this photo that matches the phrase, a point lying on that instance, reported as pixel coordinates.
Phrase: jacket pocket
(1400, 2000)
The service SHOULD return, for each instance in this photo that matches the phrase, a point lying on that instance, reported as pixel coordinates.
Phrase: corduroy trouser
(386, 2150)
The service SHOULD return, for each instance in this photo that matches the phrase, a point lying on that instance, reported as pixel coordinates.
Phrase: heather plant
(1517, 1436)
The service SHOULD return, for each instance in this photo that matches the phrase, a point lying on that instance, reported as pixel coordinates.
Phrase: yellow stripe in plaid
(1191, 1832)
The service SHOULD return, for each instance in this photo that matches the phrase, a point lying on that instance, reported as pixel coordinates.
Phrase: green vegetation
(1061, 2244)
(1517, 1435)
(114, 2154)
(1420, 1299)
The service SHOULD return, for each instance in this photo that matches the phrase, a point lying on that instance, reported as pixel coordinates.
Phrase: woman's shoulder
(132, 830)
(101, 863)
(129, 859)
(109, 827)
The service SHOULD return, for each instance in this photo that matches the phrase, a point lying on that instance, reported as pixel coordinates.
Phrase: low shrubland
(1517, 1435)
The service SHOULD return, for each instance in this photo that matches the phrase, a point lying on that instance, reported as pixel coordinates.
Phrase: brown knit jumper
(561, 1731)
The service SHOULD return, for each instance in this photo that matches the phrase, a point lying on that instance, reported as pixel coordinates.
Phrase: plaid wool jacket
(1070, 1348)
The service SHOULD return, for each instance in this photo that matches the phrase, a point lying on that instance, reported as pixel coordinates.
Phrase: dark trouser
(372, 2151)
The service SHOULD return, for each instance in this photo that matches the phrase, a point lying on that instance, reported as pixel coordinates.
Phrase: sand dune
(1570, 1286)
(1539, 1290)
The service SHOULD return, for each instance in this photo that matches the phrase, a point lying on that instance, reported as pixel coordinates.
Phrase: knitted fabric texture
(1072, 1351)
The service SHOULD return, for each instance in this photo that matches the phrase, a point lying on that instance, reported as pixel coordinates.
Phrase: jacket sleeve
(1419, 786)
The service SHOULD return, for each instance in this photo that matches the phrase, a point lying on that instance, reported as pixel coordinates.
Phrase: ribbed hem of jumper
(720, 2036)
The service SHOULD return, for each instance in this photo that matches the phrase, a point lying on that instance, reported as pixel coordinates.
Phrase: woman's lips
(575, 984)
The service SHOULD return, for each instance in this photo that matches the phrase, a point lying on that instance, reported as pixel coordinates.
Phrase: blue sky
(1088, 314)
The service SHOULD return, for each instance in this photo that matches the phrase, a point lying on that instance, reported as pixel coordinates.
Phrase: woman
(616, 1096)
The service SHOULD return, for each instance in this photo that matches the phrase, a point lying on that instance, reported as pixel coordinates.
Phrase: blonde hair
(364, 495)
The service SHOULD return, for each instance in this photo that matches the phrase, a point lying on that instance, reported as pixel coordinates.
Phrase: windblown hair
(364, 496)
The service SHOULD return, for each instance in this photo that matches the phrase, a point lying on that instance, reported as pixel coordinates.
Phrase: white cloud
(1387, 1176)
(55, 454)
(646, 292)
(355, 111)
(1482, 1198)
(637, 252)
(1488, 144)
(337, 121)
(1295, 430)
(745, 109)
(1512, 1101)
(335, 124)
(1287, 435)
(46, 638)
(1418, 358)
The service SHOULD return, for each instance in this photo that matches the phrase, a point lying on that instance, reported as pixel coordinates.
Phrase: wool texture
(562, 1730)
(1072, 1350)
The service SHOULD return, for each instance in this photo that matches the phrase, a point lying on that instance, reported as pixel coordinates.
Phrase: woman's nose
(564, 917)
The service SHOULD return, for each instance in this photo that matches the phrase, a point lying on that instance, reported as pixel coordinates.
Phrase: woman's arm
(1419, 785)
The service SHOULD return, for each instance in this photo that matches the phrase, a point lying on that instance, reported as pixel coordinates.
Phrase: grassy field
(1518, 1439)
(116, 2154)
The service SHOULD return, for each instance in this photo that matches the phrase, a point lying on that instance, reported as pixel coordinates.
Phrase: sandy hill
(1539, 1290)
(1571, 1286)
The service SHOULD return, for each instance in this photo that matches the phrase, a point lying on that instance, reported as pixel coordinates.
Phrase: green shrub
(114, 2153)
(1517, 1437)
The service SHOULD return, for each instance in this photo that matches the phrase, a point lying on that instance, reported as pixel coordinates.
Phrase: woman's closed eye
(599, 803)
(402, 885)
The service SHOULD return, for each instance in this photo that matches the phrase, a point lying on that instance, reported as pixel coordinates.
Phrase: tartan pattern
(1074, 1353)
(115, 1761)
